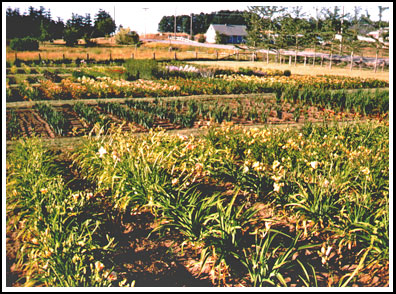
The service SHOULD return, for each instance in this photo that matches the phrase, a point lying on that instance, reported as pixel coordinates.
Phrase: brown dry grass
(161, 51)
(301, 69)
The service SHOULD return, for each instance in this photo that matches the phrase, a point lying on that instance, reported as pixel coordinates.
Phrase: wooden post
(39, 57)
(331, 55)
(153, 55)
(321, 60)
(238, 55)
(132, 55)
(290, 59)
(16, 57)
(267, 55)
(110, 55)
(175, 56)
(63, 56)
(313, 61)
(350, 68)
(305, 60)
(196, 55)
(376, 61)
(217, 55)
(361, 63)
(87, 57)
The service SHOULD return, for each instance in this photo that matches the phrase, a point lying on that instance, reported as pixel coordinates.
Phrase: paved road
(370, 61)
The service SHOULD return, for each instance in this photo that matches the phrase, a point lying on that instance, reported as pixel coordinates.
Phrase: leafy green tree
(297, 27)
(127, 37)
(352, 43)
(264, 27)
(221, 38)
(104, 24)
(332, 25)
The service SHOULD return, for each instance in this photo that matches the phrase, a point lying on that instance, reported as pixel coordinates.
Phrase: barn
(236, 33)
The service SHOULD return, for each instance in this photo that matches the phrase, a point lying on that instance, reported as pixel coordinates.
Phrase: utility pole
(174, 25)
(145, 22)
(191, 29)
(342, 23)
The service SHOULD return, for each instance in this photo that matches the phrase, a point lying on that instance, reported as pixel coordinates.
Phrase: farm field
(177, 174)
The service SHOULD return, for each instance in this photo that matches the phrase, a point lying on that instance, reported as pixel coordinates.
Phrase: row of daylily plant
(106, 87)
(331, 181)
(58, 230)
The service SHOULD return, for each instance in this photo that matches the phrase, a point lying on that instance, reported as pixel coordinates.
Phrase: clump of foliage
(220, 38)
(141, 69)
(24, 44)
(127, 37)
(201, 38)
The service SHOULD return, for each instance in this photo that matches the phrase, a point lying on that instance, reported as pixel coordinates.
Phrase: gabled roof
(230, 30)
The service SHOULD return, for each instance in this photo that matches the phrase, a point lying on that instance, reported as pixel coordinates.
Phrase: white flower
(314, 164)
(102, 151)
(277, 186)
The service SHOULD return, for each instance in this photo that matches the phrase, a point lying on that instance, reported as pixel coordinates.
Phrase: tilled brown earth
(30, 122)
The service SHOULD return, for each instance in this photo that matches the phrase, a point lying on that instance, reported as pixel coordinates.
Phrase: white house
(235, 33)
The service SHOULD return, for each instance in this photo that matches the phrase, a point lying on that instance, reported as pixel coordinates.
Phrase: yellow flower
(256, 164)
(276, 178)
(175, 181)
(275, 164)
(44, 190)
(365, 170)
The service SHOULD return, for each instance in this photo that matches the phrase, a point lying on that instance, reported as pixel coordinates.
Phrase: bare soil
(31, 123)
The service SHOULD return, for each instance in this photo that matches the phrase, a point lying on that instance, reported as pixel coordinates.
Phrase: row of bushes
(24, 44)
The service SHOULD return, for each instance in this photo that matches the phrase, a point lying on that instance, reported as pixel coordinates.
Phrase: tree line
(277, 27)
(200, 22)
(38, 24)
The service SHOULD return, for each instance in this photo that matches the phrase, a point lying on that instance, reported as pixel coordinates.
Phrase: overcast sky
(134, 16)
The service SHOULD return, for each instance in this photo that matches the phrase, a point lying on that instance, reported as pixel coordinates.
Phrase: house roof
(230, 30)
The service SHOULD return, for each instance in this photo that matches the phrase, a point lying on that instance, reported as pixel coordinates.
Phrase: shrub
(24, 44)
(201, 38)
(141, 69)
(127, 37)
(287, 73)
(221, 38)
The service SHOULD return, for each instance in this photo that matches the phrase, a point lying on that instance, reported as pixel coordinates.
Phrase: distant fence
(282, 57)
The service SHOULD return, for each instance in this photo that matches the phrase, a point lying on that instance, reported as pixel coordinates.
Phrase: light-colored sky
(134, 16)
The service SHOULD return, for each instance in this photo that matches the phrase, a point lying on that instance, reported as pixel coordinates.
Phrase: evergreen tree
(104, 24)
